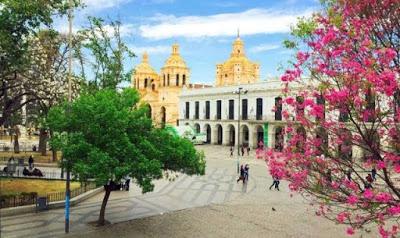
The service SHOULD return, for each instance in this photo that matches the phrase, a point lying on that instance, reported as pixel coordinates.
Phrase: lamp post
(67, 184)
(239, 91)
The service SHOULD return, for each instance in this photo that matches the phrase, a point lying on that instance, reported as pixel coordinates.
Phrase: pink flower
(352, 199)
(350, 231)
(368, 194)
(383, 197)
(341, 217)
(394, 210)
(381, 165)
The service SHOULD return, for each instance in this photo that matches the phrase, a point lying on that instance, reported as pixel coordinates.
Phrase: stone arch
(245, 135)
(232, 135)
(207, 130)
(197, 127)
(279, 138)
(259, 134)
(163, 113)
(322, 140)
(219, 134)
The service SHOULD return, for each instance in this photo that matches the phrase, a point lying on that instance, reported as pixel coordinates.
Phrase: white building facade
(215, 111)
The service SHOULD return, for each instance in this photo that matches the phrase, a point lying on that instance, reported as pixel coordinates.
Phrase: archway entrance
(219, 138)
(163, 116)
(260, 135)
(197, 128)
(231, 135)
(208, 132)
(245, 135)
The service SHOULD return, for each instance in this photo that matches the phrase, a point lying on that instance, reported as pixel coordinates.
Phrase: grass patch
(41, 187)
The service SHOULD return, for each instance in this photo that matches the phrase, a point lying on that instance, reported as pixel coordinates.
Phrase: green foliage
(304, 27)
(110, 137)
(105, 45)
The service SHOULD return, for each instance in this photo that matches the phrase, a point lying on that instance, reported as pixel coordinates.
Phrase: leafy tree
(19, 22)
(348, 111)
(109, 137)
(106, 53)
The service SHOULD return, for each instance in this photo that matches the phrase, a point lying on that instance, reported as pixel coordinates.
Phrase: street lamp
(239, 91)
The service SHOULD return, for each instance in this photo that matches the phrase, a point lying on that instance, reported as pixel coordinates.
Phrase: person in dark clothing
(241, 177)
(30, 162)
(275, 183)
(373, 174)
(231, 151)
(242, 150)
(248, 150)
(246, 173)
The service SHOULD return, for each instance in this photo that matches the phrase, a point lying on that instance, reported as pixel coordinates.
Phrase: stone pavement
(217, 186)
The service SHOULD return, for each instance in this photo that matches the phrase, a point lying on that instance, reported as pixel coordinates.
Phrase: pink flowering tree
(342, 107)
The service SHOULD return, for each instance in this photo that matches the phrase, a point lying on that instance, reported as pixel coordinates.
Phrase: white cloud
(250, 22)
(151, 50)
(264, 47)
(103, 4)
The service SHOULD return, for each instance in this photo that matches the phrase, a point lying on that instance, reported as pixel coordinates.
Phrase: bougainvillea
(342, 107)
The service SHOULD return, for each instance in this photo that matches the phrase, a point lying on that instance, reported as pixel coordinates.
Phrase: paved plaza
(180, 207)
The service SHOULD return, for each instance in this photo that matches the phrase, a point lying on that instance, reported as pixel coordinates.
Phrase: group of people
(242, 150)
(369, 179)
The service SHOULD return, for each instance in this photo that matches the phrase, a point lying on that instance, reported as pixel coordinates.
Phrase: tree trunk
(16, 144)
(101, 221)
(42, 141)
(53, 150)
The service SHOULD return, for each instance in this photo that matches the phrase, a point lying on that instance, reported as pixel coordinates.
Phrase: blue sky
(204, 29)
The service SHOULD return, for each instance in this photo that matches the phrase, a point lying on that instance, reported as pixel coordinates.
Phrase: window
(177, 79)
(343, 113)
(259, 109)
(321, 102)
(187, 110)
(168, 79)
(231, 109)
(370, 108)
(219, 109)
(196, 110)
(207, 109)
(184, 79)
(278, 109)
(244, 109)
(145, 82)
(299, 107)
(164, 80)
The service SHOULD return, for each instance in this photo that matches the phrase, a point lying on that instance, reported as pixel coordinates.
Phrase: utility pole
(239, 91)
(67, 185)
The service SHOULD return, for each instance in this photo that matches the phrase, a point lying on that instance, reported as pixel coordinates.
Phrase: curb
(12, 211)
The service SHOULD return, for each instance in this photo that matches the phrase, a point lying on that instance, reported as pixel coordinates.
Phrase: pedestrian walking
(275, 183)
(241, 176)
(246, 173)
(242, 150)
(373, 174)
(231, 151)
(248, 150)
(30, 162)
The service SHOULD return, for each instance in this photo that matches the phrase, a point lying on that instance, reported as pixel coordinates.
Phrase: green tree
(109, 137)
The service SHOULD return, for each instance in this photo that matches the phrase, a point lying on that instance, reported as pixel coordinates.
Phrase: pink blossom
(381, 165)
(350, 231)
(368, 194)
(383, 197)
(352, 199)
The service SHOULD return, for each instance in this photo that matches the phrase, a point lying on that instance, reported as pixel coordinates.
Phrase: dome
(175, 59)
(144, 67)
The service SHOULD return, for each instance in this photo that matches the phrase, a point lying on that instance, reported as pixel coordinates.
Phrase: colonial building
(215, 111)
(161, 91)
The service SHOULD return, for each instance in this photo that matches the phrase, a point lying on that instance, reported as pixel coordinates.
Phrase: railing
(46, 173)
(17, 200)
(31, 198)
(59, 196)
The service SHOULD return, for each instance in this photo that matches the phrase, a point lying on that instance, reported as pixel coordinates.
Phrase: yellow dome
(175, 59)
(144, 67)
